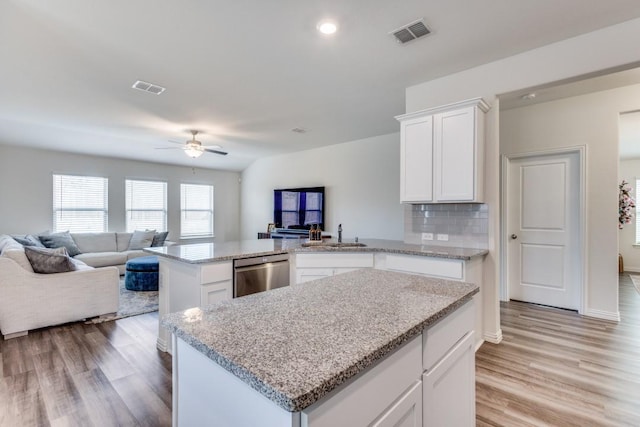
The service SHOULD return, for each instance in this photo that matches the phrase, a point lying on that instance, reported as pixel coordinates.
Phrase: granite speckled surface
(200, 253)
(296, 344)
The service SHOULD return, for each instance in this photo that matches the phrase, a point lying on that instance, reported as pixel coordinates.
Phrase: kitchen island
(199, 274)
(360, 348)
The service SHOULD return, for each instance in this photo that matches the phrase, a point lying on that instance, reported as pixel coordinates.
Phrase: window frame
(127, 209)
(56, 198)
(211, 210)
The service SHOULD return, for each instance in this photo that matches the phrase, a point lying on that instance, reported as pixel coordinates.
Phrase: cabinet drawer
(438, 339)
(369, 394)
(336, 260)
(210, 273)
(437, 267)
(308, 274)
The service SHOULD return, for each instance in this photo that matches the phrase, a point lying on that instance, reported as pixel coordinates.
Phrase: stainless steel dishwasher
(258, 274)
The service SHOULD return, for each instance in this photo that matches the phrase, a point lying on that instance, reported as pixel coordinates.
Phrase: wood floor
(109, 374)
(559, 369)
(553, 368)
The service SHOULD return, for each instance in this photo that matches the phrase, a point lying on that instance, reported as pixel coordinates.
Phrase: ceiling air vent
(410, 31)
(148, 87)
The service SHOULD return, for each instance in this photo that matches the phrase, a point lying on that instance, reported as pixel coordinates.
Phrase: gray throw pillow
(49, 261)
(141, 239)
(28, 240)
(58, 240)
(159, 238)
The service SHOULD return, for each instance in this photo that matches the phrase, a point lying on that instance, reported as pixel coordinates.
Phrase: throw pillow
(58, 240)
(49, 261)
(141, 239)
(159, 238)
(28, 240)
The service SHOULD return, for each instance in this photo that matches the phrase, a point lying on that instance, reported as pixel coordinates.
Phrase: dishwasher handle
(261, 266)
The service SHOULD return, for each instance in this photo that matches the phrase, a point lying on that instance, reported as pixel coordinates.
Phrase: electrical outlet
(427, 236)
(443, 237)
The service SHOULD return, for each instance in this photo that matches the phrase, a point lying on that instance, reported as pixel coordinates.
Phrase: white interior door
(543, 226)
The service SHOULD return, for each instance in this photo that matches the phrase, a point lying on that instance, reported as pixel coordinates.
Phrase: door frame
(582, 213)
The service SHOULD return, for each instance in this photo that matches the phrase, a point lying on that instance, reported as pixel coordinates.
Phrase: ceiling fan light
(193, 152)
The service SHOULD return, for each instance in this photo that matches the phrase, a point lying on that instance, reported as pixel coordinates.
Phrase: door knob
(514, 236)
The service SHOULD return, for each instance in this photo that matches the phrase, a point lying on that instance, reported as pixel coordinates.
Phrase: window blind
(196, 210)
(80, 203)
(146, 205)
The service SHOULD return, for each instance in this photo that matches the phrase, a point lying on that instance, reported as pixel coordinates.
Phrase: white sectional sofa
(29, 300)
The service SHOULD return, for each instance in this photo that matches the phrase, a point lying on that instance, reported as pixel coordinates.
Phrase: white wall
(362, 180)
(607, 48)
(630, 170)
(26, 189)
(590, 120)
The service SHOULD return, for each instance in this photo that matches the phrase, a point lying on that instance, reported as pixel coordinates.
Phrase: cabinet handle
(514, 236)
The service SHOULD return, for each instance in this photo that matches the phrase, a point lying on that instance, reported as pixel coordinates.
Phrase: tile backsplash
(465, 223)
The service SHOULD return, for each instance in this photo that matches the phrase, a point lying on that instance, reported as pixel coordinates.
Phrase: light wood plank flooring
(557, 368)
(553, 368)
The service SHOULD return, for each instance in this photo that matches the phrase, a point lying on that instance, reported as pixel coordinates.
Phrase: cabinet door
(406, 412)
(308, 274)
(449, 393)
(416, 160)
(455, 155)
(216, 292)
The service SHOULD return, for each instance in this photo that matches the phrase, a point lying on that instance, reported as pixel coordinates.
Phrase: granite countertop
(212, 252)
(296, 344)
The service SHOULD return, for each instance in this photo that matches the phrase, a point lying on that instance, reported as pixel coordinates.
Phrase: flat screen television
(298, 208)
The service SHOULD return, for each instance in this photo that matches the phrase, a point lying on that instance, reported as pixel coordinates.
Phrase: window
(196, 210)
(146, 205)
(80, 203)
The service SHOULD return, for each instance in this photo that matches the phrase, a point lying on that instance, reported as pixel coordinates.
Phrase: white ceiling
(246, 72)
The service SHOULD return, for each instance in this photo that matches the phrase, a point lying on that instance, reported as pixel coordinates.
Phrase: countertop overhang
(296, 344)
(200, 253)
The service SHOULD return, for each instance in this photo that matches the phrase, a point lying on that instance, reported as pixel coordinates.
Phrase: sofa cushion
(103, 259)
(20, 257)
(141, 239)
(28, 240)
(49, 261)
(123, 240)
(58, 240)
(80, 265)
(7, 243)
(95, 242)
(159, 238)
(135, 254)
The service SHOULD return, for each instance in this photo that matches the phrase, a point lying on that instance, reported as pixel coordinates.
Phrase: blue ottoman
(142, 274)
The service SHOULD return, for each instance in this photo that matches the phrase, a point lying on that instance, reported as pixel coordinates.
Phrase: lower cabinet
(319, 265)
(449, 396)
(406, 412)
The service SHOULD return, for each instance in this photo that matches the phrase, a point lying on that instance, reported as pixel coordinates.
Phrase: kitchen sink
(333, 245)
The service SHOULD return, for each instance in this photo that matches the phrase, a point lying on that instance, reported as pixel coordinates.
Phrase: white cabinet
(449, 397)
(442, 153)
(319, 265)
(184, 285)
(406, 412)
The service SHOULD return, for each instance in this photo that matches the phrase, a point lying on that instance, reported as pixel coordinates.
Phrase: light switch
(427, 236)
(443, 237)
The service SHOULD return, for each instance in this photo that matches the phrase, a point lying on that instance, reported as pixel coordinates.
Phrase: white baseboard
(632, 269)
(605, 315)
(493, 338)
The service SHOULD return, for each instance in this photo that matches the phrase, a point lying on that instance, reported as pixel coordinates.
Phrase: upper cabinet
(442, 153)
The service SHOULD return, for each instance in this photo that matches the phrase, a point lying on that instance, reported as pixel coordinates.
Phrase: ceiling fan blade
(167, 148)
(222, 153)
(176, 142)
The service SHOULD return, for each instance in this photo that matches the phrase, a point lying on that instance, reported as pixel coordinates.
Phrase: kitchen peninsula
(367, 347)
(196, 275)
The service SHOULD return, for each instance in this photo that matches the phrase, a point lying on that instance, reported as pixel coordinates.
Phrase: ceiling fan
(194, 148)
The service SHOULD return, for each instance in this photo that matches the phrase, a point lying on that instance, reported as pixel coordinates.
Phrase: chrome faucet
(339, 233)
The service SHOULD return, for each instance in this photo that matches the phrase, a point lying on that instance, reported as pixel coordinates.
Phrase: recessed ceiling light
(327, 27)
(528, 96)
